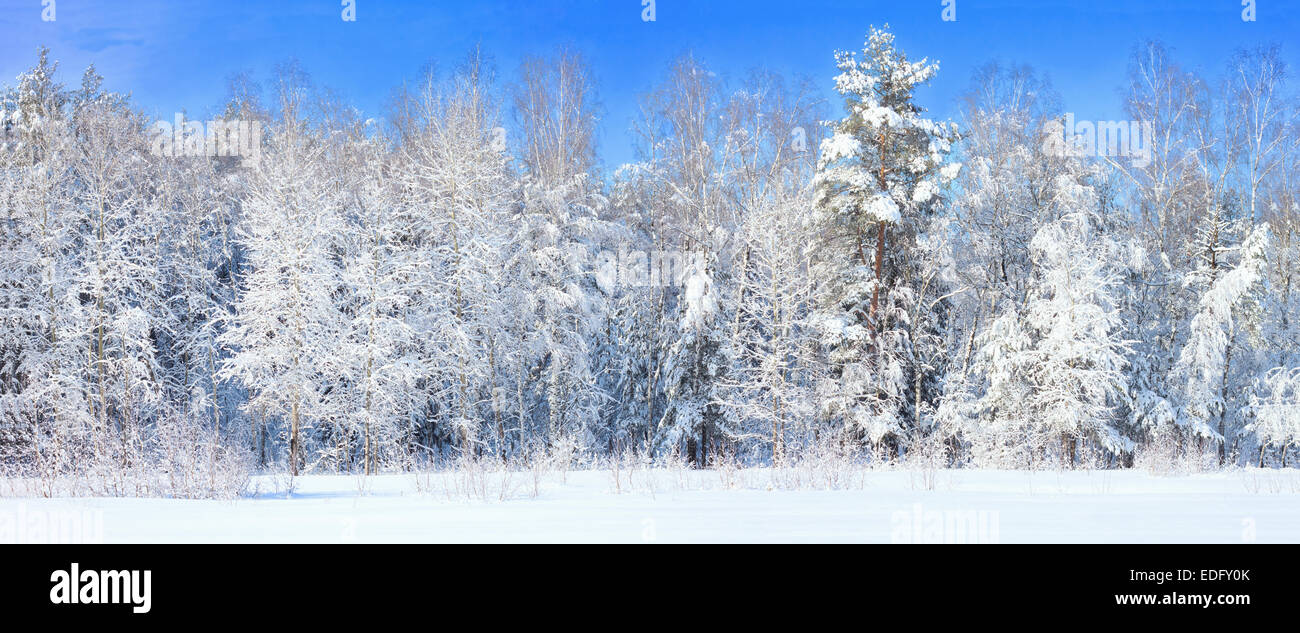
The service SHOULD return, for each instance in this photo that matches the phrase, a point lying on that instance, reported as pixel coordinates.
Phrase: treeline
(464, 279)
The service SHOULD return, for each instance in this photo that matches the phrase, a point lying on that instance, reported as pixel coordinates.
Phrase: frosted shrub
(925, 458)
(729, 469)
(1170, 452)
(478, 478)
(192, 462)
(826, 463)
(176, 458)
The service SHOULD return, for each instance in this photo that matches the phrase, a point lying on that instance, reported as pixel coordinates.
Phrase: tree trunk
(704, 444)
(293, 441)
(1223, 396)
(880, 266)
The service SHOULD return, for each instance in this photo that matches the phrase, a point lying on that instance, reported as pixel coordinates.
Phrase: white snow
(839, 146)
(925, 191)
(884, 209)
(669, 506)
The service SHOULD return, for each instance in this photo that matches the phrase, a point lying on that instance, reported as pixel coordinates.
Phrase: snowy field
(694, 506)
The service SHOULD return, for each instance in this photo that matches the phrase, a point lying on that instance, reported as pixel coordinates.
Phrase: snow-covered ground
(702, 506)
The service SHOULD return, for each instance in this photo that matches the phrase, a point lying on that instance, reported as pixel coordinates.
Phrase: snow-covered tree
(1274, 411)
(1227, 310)
(287, 321)
(454, 173)
(552, 296)
(772, 385)
(878, 180)
(1077, 355)
(376, 355)
(1048, 372)
(43, 393)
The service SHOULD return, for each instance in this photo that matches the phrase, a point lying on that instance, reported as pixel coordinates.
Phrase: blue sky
(174, 55)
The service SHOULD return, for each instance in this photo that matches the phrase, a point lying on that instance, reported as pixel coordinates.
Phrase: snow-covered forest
(293, 287)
